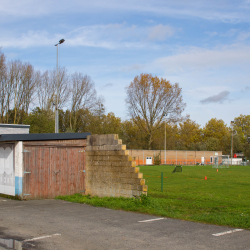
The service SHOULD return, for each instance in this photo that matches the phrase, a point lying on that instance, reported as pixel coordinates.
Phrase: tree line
(28, 96)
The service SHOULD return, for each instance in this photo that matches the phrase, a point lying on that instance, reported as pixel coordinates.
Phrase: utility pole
(165, 140)
(57, 90)
(232, 126)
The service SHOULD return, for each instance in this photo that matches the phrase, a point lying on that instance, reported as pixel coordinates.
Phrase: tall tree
(83, 97)
(149, 100)
(218, 130)
(190, 133)
(242, 126)
(47, 89)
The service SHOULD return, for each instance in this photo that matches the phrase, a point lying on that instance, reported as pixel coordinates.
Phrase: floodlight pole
(165, 140)
(57, 89)
(232, 125)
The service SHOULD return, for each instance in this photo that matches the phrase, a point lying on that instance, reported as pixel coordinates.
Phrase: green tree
(190, 133)
(242, 127)
(216, 129)
(213, 144)
(40, 121)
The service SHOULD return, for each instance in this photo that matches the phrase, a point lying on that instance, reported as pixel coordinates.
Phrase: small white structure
(8, 160)
(202, 160)
(235, 161)
(14, 129)
(149, 160)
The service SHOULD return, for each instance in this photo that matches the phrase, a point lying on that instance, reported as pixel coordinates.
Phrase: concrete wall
(109, 169)
(18, 168)
(175, 157)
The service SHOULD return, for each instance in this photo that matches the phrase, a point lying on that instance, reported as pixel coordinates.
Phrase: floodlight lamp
(61, 41)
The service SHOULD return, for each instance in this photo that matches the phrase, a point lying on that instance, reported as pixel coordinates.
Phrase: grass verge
(222, 199)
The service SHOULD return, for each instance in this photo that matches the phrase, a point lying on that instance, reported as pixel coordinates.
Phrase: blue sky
(202, 45)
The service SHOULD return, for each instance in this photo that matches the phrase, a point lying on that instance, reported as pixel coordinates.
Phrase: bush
(157, 159)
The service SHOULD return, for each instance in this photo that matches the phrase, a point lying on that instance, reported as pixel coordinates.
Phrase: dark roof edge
(43, 137)
(13, 126)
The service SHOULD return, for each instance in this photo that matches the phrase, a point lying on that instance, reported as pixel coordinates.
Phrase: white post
(143, 157)
(165, 141)
(232, 124)
(56, 114)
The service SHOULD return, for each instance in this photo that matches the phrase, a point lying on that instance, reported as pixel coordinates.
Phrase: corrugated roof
(43, 137)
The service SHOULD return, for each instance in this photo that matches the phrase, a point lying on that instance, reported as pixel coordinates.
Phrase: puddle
(12, 244)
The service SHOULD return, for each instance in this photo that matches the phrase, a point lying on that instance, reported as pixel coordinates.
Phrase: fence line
(174, 162)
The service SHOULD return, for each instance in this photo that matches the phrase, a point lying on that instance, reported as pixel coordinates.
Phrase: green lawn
(222, 199)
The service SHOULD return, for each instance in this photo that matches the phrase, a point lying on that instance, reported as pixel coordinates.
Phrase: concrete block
(116, 163)
(136, 169)
(137, 175)
(119, 147)
(143, 188)
(127, 186)
(136, 193)
(116, 142)
(142, 181)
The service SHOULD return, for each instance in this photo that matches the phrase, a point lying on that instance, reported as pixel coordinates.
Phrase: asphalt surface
(56, 224)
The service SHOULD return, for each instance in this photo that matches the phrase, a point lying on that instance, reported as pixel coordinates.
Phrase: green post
(162, 181)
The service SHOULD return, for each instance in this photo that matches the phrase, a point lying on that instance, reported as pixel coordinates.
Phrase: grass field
(222, 199)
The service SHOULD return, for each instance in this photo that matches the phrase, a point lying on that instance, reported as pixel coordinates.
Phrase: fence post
(162, 181)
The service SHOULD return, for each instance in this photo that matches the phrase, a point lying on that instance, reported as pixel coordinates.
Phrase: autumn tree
(218, 130)
(132, 135)
(190, 134)
(149, 100)
(242, 137)
(242, 126)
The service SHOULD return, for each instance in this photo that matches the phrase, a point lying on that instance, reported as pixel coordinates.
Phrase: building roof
(43, 137)
(13, 126)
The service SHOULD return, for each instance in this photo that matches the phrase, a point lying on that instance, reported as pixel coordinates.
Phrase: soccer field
(223, 198)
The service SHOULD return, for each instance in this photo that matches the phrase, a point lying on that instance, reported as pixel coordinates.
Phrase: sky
(202, 45)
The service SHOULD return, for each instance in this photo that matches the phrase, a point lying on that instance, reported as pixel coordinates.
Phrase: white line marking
(151, 220)
(3, 200)
(228, 232)
(42, 237)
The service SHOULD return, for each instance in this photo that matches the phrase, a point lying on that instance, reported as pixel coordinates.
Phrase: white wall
(14, 129)
(19, 168)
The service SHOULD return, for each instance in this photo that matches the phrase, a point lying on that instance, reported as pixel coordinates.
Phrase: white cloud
(134, 67)
(211, 33)
(160, 32)
(194, 58)
(223, 10)
(29, 39)
(230, 33)
(243, 36)
(109, 36)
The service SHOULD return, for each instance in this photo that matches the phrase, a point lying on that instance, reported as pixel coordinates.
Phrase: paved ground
(56, 224)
